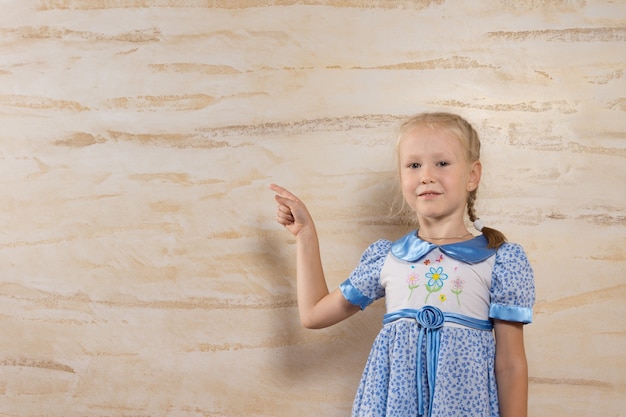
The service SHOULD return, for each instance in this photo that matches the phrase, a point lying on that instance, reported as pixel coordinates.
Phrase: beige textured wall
(142, 273)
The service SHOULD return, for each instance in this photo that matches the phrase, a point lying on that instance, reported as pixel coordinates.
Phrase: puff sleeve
(363, 287)
(512, 285)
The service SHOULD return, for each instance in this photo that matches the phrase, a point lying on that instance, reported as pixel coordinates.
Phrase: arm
(317, 307)
(511, 369)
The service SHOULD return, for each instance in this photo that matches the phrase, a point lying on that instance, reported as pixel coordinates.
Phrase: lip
(428, 194)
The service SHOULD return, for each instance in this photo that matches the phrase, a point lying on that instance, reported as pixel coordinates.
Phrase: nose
(427, 179)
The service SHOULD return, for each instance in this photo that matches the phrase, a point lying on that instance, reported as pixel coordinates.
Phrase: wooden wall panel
(142, 271)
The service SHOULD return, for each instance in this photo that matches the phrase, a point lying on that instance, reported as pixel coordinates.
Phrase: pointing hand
(291, 212)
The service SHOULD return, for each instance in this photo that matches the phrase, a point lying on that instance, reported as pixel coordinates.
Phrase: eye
(414, 165)
(442, 163)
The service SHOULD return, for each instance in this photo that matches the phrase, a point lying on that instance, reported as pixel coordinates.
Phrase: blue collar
(411, 248)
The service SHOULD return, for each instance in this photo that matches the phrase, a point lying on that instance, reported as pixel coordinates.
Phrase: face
(435, 175)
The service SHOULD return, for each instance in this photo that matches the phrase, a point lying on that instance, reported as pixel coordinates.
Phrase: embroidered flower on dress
(457, 288)
(435, 276)
(412, 283)
(457, 284)
(443, 298)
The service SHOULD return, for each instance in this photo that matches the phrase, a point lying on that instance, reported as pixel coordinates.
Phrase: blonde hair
(470, 143)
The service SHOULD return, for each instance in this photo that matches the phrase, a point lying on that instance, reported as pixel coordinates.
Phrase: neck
(421, 236)
(443, 234)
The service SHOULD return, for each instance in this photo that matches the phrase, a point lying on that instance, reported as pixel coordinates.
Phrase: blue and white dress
(435, 353)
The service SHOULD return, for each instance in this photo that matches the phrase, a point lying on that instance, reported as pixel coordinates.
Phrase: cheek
(408, 191)
(407, 184)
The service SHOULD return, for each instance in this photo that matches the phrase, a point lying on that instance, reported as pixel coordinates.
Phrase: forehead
(426, 140)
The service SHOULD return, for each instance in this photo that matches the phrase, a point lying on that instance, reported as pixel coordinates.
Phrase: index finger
(282, 192)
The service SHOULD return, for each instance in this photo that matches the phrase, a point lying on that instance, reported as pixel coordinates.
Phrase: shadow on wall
(338, 353)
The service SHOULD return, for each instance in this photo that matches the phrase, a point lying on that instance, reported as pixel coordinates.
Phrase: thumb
(285, 201)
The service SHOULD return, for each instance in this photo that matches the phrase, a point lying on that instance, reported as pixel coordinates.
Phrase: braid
(471, 199)
(495, 238)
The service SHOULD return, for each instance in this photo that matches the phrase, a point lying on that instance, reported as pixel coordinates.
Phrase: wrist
(306, 233)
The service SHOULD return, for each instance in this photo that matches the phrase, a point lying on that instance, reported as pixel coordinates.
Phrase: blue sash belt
(431, 320)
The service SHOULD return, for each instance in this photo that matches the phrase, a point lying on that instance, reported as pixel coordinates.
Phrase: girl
(452, 339)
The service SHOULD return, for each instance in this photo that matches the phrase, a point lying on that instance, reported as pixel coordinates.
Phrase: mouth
(428, 194)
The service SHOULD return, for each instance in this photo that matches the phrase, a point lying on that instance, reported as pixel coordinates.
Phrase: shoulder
(511, 252)
(378, 249)
(374, 256)
(512, 267)
(382, 245)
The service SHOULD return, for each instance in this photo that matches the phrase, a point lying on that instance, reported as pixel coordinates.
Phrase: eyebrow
(439, 155)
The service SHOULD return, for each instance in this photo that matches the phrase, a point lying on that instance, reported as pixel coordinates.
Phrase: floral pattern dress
(415, 369)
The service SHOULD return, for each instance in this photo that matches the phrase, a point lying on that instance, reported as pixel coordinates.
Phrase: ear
(475, 173)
